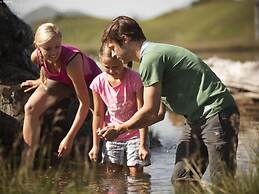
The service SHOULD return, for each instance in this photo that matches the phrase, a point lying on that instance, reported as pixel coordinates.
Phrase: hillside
(220, 23)
(212, 25)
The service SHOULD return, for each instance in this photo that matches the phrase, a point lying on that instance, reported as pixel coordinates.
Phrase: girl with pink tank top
(90, 69)
(64, 71)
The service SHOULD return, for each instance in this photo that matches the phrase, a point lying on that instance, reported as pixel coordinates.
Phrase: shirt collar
(143, 47)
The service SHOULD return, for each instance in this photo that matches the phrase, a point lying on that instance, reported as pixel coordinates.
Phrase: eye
(46, 48)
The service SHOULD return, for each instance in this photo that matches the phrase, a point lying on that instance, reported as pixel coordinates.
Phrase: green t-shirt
(189, 86)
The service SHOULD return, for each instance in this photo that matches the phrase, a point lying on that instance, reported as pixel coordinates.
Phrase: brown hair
(123, 25)
(43, 34)
(105, 51)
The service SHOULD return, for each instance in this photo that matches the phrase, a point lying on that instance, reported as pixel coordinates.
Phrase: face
(123, 53)
(51, 50)
(113, 67)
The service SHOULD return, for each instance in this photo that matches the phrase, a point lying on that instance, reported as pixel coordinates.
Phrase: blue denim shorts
(124, 152)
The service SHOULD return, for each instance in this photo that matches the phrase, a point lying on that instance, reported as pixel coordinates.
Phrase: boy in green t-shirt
(185, 84)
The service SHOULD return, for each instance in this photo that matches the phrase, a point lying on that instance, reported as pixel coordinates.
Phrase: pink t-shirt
(121, 100)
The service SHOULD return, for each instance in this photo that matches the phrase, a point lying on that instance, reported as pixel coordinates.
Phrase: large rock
(237, 75)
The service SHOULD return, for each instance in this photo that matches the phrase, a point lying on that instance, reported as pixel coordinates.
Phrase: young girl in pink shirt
(117, 95)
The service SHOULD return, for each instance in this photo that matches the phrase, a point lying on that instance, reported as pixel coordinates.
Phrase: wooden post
(257, 20)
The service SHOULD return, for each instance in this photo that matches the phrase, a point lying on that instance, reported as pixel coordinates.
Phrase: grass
(215, 24)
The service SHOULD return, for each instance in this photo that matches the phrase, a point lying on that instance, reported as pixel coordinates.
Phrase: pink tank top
(90, 68)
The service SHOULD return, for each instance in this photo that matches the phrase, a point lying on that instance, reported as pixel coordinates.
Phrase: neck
(138, 45)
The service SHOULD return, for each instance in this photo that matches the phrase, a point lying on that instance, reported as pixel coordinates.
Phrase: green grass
(221, 23)
(224, 24)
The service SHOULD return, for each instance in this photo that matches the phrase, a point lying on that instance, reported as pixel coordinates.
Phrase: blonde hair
(43, 34)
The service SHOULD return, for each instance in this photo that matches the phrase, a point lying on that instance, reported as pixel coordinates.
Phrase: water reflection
(157, 179)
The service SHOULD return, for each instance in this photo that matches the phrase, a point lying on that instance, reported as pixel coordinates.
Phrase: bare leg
(37, 104)
(135, 170)
(113, 169)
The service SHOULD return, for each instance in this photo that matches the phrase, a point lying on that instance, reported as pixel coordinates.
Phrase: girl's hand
(93, 154)
(143, 152)
(29, 85)
(65, 147)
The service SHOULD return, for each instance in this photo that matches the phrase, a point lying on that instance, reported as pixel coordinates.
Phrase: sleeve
(138, 84)
(151, 69)
(95, 85)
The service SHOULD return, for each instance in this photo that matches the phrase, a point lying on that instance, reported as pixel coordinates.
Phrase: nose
(111, 71)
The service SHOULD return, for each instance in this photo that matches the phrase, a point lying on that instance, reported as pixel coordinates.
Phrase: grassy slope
(220, 23)
(214, 24)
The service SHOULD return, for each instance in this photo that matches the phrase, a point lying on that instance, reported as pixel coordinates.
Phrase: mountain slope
(220, 24)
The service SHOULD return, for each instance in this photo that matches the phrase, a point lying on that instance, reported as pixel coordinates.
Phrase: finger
(140, 157)
(28, 89)
(144, 156)
(90, 156)
(60, 152)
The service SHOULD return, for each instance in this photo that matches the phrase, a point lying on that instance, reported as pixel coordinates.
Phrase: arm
(75, 72)
(29, 85)
(152, 111)
(98, 122)
(143, 132)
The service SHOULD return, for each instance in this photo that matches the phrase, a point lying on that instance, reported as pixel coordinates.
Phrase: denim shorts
(124, 152)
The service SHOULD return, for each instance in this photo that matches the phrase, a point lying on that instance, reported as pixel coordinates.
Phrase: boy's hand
(109, 132)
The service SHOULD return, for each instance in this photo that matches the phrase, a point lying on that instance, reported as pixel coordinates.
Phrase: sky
(142, 9)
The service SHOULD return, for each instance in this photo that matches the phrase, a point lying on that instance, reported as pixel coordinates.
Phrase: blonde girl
(64, 71)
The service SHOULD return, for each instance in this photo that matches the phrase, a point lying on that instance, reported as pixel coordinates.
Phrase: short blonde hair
(43, 34)
(46, 32)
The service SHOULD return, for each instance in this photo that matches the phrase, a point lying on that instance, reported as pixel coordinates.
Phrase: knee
(30, 109)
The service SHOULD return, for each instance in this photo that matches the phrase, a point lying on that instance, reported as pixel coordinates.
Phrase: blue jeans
(213, 141)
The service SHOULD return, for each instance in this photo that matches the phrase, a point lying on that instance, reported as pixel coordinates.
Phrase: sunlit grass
(224, 24)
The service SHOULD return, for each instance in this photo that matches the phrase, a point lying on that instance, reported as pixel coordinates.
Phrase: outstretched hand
(109, 132)
(65, 147)
(29, 85)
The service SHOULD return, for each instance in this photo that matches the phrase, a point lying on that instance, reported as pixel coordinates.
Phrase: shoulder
(133, 79)
(132, 74)
(34, 56)
(99, 78)
(98, 81)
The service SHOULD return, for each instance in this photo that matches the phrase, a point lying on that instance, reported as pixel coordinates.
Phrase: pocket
(230, 122)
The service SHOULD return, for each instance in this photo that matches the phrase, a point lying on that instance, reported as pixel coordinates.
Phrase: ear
(125, 38)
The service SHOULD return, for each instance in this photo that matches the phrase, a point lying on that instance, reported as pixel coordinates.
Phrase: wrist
(122, 129)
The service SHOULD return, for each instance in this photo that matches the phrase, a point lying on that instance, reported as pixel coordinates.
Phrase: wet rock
(238, 76)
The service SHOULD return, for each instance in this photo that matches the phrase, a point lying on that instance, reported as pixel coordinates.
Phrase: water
(158, 175)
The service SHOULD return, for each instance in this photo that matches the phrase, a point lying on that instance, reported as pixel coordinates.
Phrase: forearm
(142, 118)
(143, 135)
(97, 123)
(78, 120)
